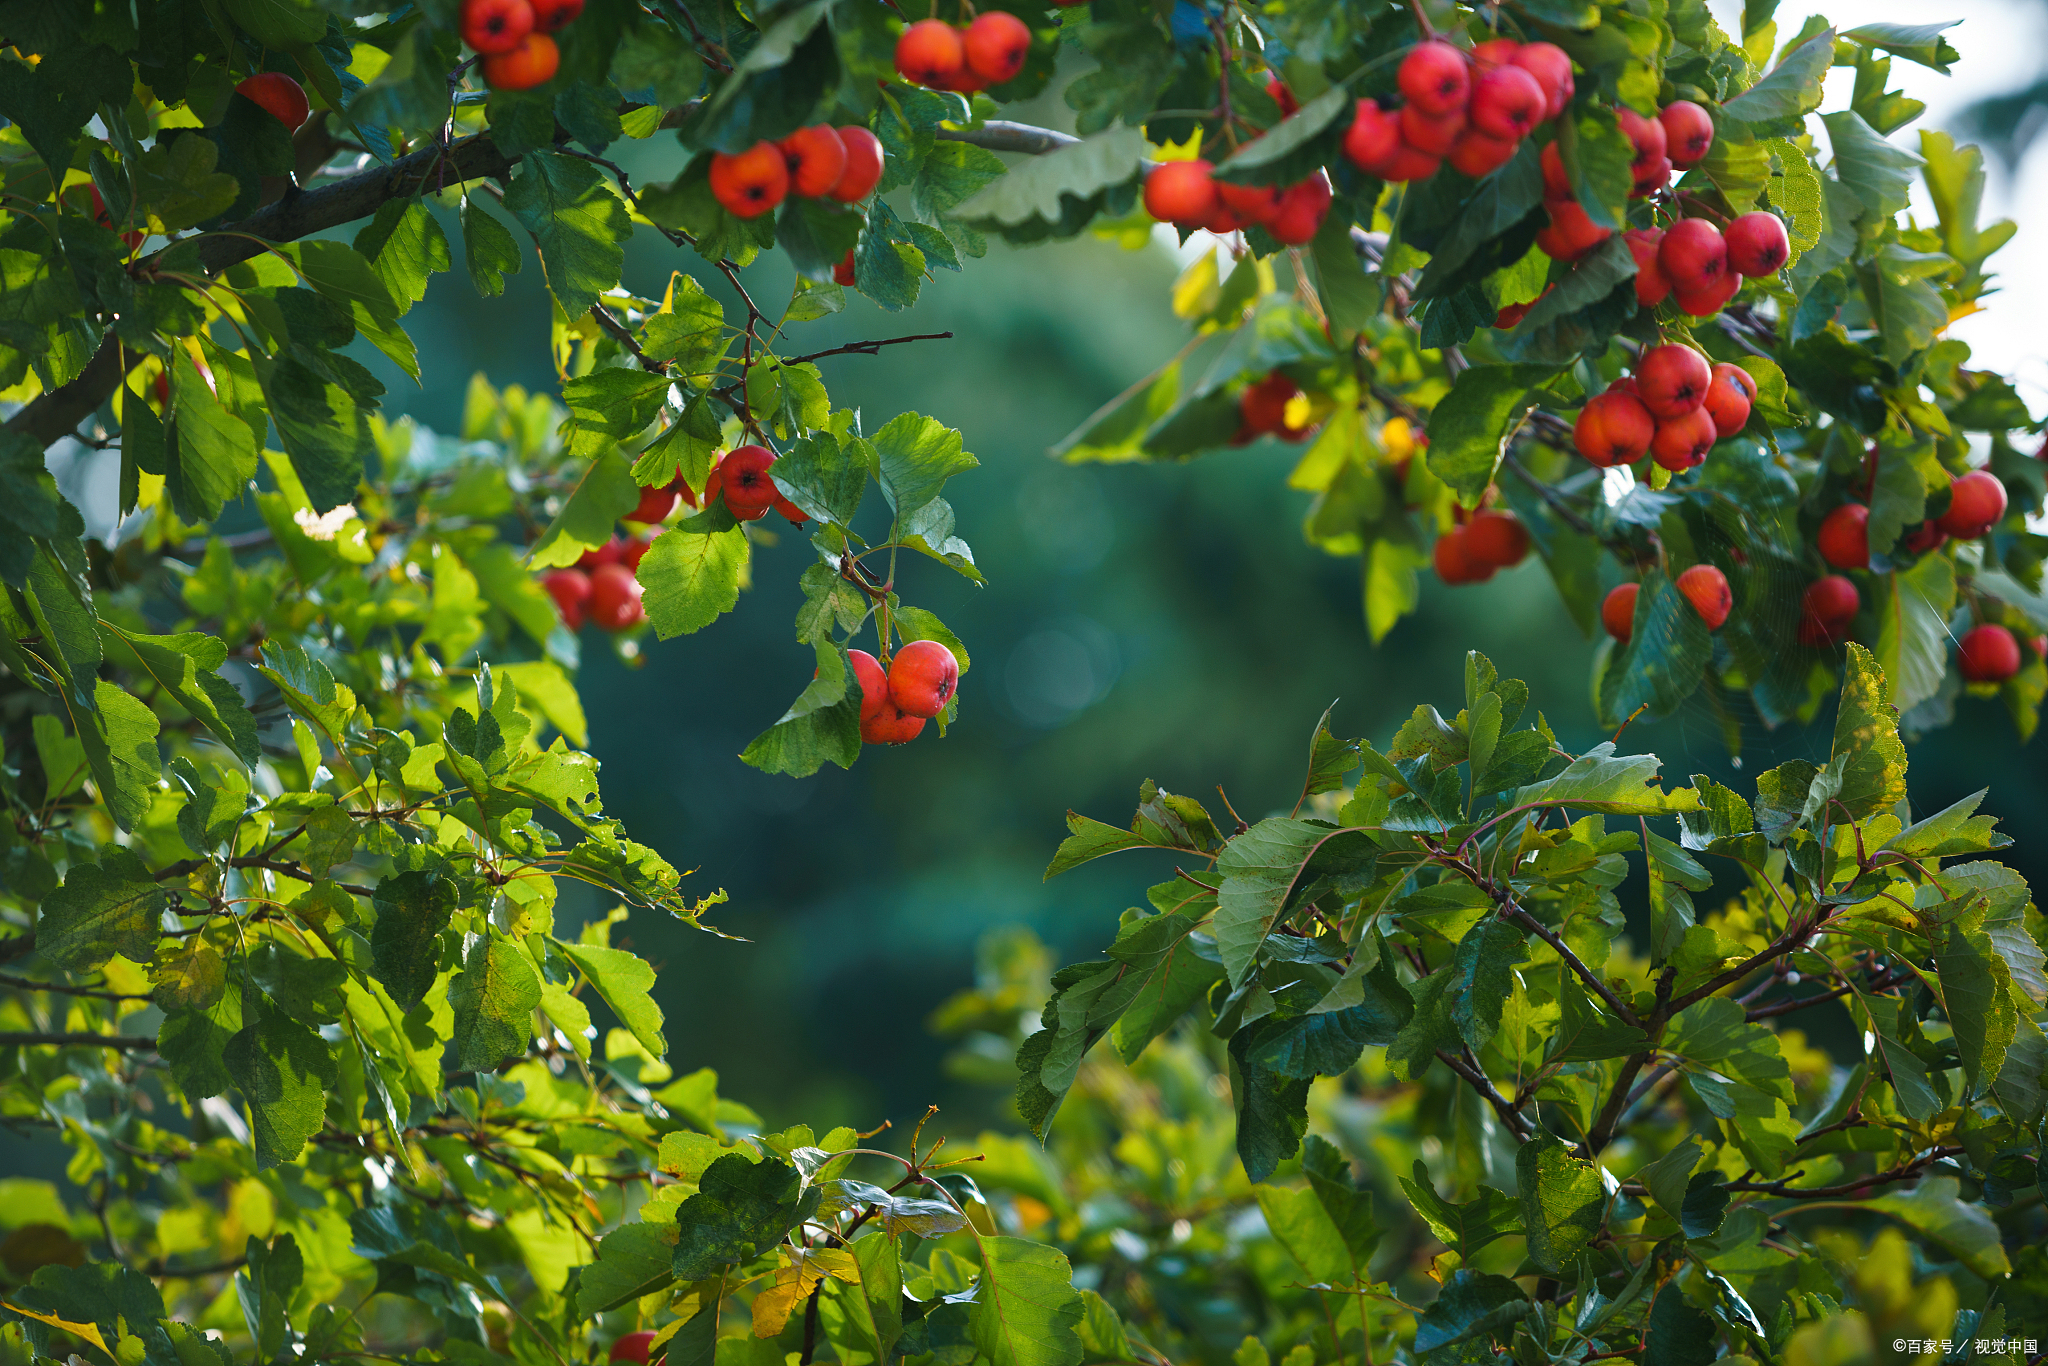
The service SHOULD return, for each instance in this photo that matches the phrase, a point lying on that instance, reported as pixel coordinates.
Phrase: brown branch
(19, 946)
(1468, 1068)
(1788, 942)
(30, 984)
(86, 1040)
(1610, 1113)
(1903, 1172)
(1563, 950)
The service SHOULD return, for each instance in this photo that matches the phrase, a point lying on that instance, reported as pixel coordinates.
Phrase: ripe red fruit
(533, 62)
(570, 588)
(1181, 192)
(1975, 504)
(1844, 537)
(1672, 380)
(1618, 611)
(1706, 588)
(1826, 609)
(1494, 52)
(890, 726)
(1730, 395)
(1706, 302)
(1923, 538)
(1434, 78)
(842, 273)
(1988, 654)
(744, 482)
(1477, 155)
(1454, 561)
(1431, 133)
(930, 52)
(1373, 137)
(1649, 177)
(655, 504)
(278, 93)
(1682, 442)
(815, 159)
(552, 16)
(922, 678)
(1282, 96)
(1651, 286)
(752, 182)
(1496, 538)
(614, 598)
(1645, 135)
(863, 164)
(1263, 406)
(874, 684)
(1757, 244)
(1571, 233)
(1251, 203)
(1514, 313)
(1556, 184)
(611, 552)
(634, 1347)
(1302, 208)
(492, 26)
(635, 550)
(1693, 255)
(1552, 69)
(1688, 132)
(1614, 428)
(1507, 102)
(996, 44)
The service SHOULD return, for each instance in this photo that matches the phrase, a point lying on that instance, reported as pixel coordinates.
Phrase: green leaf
(1483, 977)
(1795, 192)
(186, 667)
(1877, 172)
(1035, 187)
(822, 726)
(691, 579)
(633, 1260)
(740, 1211)
(1471, 1303)
(212, 457)
(1471, 426)
(1935, 1210)
(1258, 868)
(1463, 1228)
(1920, 43)
(1951, 831)
(405, 244)
(1563, 1201)
(1090, 839)
(1677, 1334)
(102, 909)
(1792, 88)
(120, 739)
(177, 185)
(606, 492)
(1976, 995)
(580, 225)
(489, 249)
(278, 23)
(1327, 1227)
(622, 979)
(917, 456)
(1599, 780)
(320, 425)
(1913, 607)
(413, 908)
(1867, 740)
(1581, 312)
(1026, 1311)
(493, 998)
(284, 1071)
(823, 476)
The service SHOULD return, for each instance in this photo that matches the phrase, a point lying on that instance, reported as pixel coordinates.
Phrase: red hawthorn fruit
(1693, 255)
(1826, 609)
(1302, 208)
(1552, 69)
(1649, 177)
(1556, 184)
(815, 159)
(863, 164)
(1496, 538)
(842, 273)
(930, 53)
(891, 726)
(1572, 233)
(793, 514)
(1514, 313)
(634, 551)
(1493, 52)
(1405, 163)
(1682, 442)
(742, 479)
(1263, 405)
(1181, 192)
(1435, 134)
(1688, 132)
(1844, 537)
(1373, 137)
(533, 61)
(1435, 78)
(633, 1347)
(1223, 220)
(570, 588)
(552, 16)
(752, 182)
(1618, 611)
(278, 93)
(1975, 504)
(874, 684)
(996, 45)
(1651, 286)
(1923, 538)
(1614, 428)
(493, 26)
(1730, 395)
(1506, 103)
(614, 601)
(1757, 244)
(1477, 155)
(1705, 303)
(655, 504)
(1988, 654)
(1282, 96)
(611, 552)
(922, 678)
(1706, 588)
(1452, 556)
(1672, 380)
(1646, 136)
(1251, 203)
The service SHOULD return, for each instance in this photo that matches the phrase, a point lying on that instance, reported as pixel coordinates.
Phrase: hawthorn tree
(293, 757)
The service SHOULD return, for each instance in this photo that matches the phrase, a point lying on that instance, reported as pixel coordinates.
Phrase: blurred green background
(1162, 622)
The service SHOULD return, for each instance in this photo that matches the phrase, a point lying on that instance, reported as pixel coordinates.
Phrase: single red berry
(552, 16)
(1556, 183)
(1757, 244)
(996, 44)
(1572, 232)
(1618, 611)
(1435, 134)
(890, 727)
(744, 481)
(815, 159)
(1373, 137)
(863, 164)
(1434, 77)
(1649, 177)
(1693, 254)
(1682, 442)
(1923, 538)
(1496, 538)
(1181, 192)
(635, 551)
(874, 684)
(752, 182)
(1477, 155)
(1730, 395)
(1455, 563)
(614, 598)
(1514, 313)
(1263, 405)
(1507, 102)
(842, 272)
(1494, 52)
(795, 515)
(611, 552)
(1251, 203)
(655, 504)
(493, 26)
(1988, 654)
(922, 678)
(1706, 302)
(633, 1347)
(1826, 609)
(278, 93)
(570, 588)
(1282, 96)
(533, 62)
(1976, 502)
(1614, 428)
(930, 52)
(1404, 164)
(1844, 537)
(1672, 380)
(1552, 69)
(1688, 132)
(1302, 208)
(1651, 286)
(1706, 588)
(1645, 136)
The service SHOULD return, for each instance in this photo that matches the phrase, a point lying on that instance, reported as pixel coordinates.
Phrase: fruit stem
(1422, 20)
(1691, 200)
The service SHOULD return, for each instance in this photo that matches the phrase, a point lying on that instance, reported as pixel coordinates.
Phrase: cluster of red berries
(895, 704)
(1185, 193)
(514, 38)
(603, 587)
(966, 58)
(1470, 109)
(1677, 137)
(1262, 411)
(1675, 407)
(1704, 586)
(1477, 546)
(1699, 266)
(818, 162)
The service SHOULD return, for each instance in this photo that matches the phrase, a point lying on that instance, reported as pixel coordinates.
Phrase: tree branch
(1468, 1068)
(87, 1040)
(30, 984)
(18, 947)
(1563, 950)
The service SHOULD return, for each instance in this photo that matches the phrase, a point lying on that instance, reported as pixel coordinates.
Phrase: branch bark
(86, 1039)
